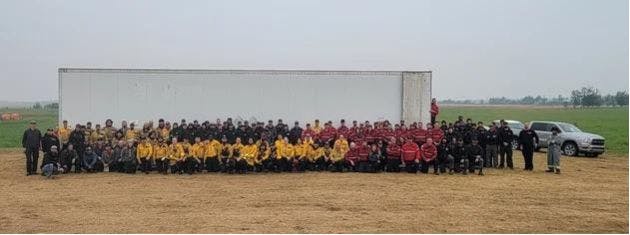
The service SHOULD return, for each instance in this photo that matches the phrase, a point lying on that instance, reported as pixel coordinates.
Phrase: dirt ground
(591, 196)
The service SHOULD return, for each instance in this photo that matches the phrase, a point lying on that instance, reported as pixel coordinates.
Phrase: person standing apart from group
(31, 141)
(528, 139)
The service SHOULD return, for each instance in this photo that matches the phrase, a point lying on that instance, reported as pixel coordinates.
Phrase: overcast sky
(476, 49)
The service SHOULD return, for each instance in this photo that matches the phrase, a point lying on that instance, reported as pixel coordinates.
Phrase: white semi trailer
(140, 95)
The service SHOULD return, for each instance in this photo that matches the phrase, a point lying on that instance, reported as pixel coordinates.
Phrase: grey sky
(476, 49)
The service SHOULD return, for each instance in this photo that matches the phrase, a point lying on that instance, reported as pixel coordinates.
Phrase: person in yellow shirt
(190, 162)
(238, 145)
(300, 155)
(342, 143)
(176, 156)
(249, 153)
(262, 161)
(64, 134)
(131, 133)
(144, 154)
(197, 150)
(225, 153)
(211, 156)
(109, 131)
(161, 156)
(97, 134)
(317, 158)
(337, 158)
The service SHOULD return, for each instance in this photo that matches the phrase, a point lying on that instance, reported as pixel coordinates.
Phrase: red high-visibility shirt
(410, 152)
(429, 151)
(393, 151)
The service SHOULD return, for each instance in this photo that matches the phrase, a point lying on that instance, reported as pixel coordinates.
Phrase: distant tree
(576, 98)
(54, 105)
(621, 98)
(591, 97)
(37, 106)
(609, 100)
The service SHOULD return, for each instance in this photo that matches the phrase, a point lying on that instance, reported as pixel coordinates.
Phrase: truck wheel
(570, 149)
(514, 144)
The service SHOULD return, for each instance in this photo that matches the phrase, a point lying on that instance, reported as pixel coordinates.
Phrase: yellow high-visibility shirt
(176, 152)
(131, 134)
(160, 151)
(289, 151)
(317, 128)
(144, 150)
(337, 154)
(209, 150)
(342, 144)
(64, 134)
(197, 150)
(299, 150)
(96, 135)
(165, 133)
(314, 154)
(249, 152)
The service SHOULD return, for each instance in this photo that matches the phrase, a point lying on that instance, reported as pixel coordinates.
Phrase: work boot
(480, 173)
(450, 172)
(436, 173)
(465, 172)
(557, 171)
(550, 170)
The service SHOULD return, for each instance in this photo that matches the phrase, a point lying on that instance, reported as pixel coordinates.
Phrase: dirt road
(591, 196)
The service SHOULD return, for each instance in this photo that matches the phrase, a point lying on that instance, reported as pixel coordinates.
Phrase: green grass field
(612, 123)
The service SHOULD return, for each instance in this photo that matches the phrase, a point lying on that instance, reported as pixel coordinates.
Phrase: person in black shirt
(474, 157)
(505, 148)
(31, 141)
(492, 147)
(528, 139)
(295, 133)
(50, 164)
(49, 140)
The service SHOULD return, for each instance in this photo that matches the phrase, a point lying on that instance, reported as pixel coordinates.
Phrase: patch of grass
(611, 123)
(11, 131)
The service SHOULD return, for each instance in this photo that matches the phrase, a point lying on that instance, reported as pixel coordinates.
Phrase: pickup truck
(574, 140)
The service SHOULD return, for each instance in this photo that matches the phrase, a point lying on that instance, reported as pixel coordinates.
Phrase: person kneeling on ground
(128, 159)
(474, 157)
(50, 163)
(90, 160)
(374, 159)
(410, 156)
(429, 154)
(443, 158)
(351, 158)
(67, 158)
(393, 156)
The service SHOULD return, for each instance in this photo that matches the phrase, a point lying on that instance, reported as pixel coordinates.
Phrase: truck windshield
(569, 128)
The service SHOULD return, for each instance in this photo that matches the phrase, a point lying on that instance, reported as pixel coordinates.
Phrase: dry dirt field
(591, 196)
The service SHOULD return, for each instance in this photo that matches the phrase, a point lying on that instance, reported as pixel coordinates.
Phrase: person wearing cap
(50, 163)
(474, 158)
(64, 134)
(48, 140)
(128, 159)
(492, 147)
(90, 160)
(32, 143)
(553, 151)
(197, 150)
(528, 140)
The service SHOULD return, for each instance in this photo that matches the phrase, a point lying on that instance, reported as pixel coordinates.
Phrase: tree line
(583, 97)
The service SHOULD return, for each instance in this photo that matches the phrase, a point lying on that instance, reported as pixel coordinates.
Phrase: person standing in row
(528, 139)
(31, 142)
(505, 149)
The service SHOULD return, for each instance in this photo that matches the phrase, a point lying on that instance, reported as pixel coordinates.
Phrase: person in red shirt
(435, 133)
(420, 135)
(309, 132)
(393, 156)
(429, 155)
(328, 133)
(343, 129)
(434, 110)
(410, 156)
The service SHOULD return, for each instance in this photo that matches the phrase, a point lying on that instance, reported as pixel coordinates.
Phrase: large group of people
(229, 146)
